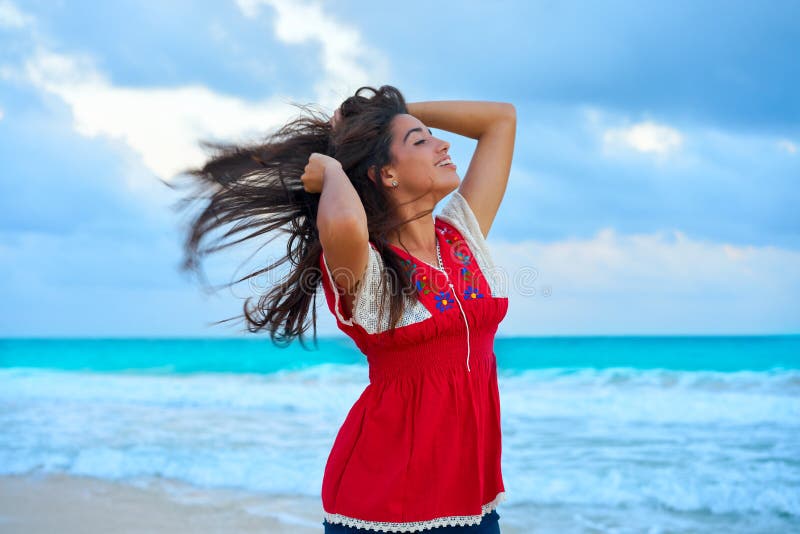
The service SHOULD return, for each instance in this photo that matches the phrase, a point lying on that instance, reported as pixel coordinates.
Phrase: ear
(386, 176)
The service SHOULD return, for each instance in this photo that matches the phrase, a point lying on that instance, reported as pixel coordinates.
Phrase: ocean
(600, 434)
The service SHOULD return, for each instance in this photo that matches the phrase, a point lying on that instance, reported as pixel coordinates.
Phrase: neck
(419, 234)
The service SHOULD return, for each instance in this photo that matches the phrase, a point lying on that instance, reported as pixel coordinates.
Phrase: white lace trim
(458, 212)
(414, 526)
(337, 297)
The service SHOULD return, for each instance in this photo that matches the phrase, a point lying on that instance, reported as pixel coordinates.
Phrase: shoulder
(458, 213)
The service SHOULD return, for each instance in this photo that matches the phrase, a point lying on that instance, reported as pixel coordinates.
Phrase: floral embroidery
(422, 286)
(419, 277)
(444, 301)
(409, 266)
(448, 235)
(472, 293)
(464, 258)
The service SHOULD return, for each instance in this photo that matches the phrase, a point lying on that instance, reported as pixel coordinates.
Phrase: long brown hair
(257, 187)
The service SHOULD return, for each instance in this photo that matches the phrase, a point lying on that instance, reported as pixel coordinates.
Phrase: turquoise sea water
(691, 353)
(600, 434)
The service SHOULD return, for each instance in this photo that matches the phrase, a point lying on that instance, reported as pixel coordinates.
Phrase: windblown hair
(257, 188)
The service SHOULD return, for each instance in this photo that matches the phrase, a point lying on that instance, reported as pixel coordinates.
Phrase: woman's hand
(314, 174)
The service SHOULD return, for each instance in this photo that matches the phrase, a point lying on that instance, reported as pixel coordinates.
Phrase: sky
(653, 191)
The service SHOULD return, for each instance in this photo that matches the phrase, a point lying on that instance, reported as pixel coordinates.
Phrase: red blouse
(421, 446)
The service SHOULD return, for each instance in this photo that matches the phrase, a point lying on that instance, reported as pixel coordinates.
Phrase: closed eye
(423, 140)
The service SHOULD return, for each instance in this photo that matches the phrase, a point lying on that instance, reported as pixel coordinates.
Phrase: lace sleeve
(458, 212)
(368, 298)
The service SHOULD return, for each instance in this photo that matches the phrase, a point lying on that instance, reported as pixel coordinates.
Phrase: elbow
(505, 115)
(510, 111)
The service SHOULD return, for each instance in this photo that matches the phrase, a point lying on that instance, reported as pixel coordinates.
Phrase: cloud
(643, 283)
(12, 17)
(162, 125)
(744, 78)
(640, 283)
(347, 61)
(721, 185)
(732, 186)
(788, 146)
(646, 137)
(85, 270)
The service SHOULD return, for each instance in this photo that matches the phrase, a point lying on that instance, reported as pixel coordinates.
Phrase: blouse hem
(414, 526)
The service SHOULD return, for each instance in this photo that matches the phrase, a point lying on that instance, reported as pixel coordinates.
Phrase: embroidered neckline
(414, 526)
(411, 259)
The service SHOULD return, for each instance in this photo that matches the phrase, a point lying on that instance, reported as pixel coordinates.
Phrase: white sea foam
(616, 439)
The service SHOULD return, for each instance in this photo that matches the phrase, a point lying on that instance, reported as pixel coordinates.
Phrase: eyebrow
(417, 129)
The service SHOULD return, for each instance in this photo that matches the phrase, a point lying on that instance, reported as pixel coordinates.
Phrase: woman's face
(416, 152)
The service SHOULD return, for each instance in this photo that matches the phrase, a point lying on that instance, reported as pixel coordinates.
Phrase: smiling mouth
(448, 164)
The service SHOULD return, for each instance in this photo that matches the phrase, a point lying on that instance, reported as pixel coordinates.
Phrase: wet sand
(68, 504)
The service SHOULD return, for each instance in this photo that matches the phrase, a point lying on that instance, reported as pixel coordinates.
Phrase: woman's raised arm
(341, 223)
(494, 125)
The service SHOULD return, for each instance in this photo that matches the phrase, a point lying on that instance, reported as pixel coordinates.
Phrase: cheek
(416, 168)
(424, 172)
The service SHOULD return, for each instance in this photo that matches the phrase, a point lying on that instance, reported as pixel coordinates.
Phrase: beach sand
(69, 504)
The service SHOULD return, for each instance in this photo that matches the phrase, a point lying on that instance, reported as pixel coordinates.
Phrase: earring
(394, 183)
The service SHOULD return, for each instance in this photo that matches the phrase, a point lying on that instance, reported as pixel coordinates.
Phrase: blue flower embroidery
(444, 301)
(422, 286)
(472, 293)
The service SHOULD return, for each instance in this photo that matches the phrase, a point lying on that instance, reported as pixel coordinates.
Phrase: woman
(420, 449)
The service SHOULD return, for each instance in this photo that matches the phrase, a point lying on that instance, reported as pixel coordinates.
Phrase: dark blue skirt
(488, 525)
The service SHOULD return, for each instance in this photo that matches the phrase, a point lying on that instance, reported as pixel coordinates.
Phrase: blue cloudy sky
(654, 187)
